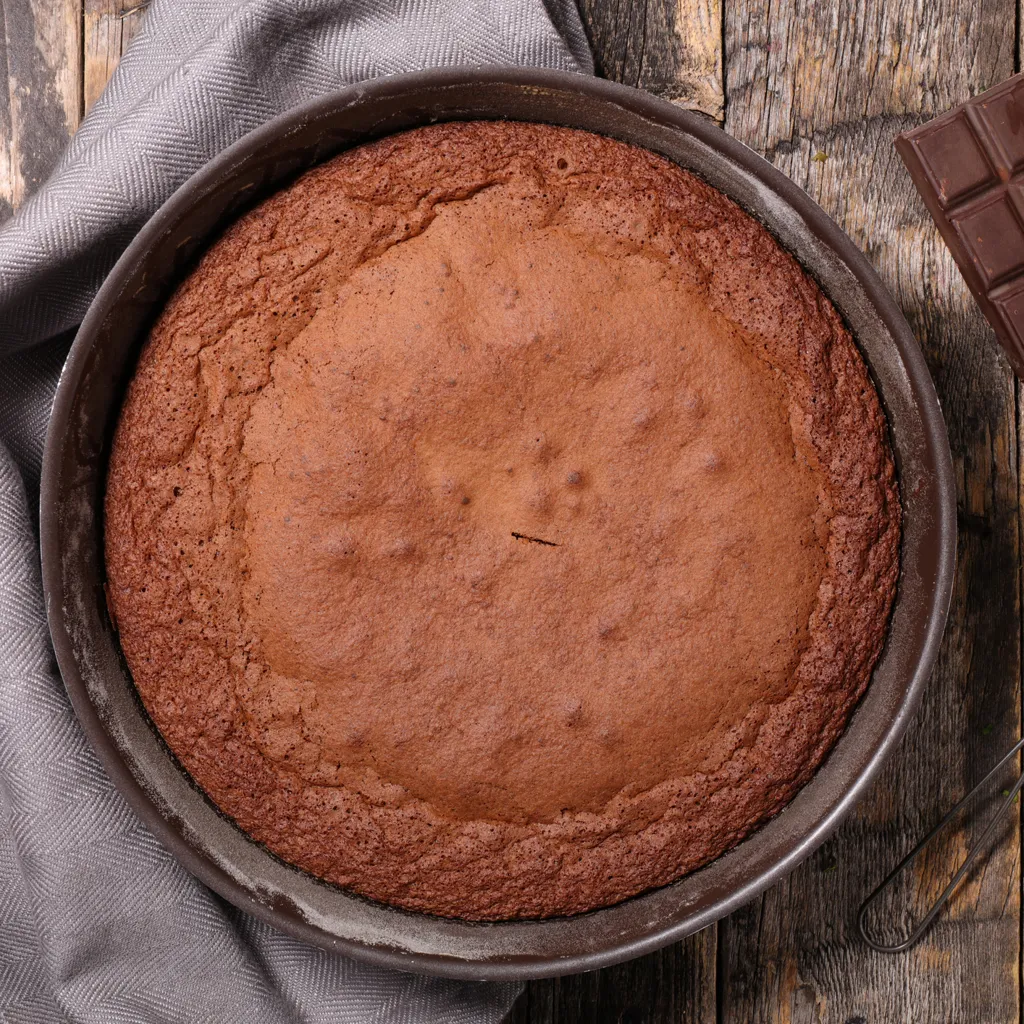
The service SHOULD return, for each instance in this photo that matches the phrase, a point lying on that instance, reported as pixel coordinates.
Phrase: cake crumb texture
(500, 523)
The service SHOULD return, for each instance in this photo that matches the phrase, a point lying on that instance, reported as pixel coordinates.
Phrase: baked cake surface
(499, 523)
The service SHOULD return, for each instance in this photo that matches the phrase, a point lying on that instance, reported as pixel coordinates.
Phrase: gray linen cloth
(97, 921)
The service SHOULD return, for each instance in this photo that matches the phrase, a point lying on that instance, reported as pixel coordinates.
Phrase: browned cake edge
(166, 594)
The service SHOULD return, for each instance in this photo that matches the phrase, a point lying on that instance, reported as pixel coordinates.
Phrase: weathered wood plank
(821, 89)
(673, 986)
(672, 48)
(41, 104)
(107, 31)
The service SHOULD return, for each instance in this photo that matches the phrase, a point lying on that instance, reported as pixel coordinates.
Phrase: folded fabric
(97, 921)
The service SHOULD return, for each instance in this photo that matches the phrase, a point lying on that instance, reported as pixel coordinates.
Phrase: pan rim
(633, 104)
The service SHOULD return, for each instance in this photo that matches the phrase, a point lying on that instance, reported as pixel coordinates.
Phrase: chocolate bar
(968, 165)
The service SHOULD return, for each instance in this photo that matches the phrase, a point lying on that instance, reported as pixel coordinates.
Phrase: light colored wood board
(41, 106)
(673, 986)
(108, 30)
(672, 48)
(822, 89)
(796, 67)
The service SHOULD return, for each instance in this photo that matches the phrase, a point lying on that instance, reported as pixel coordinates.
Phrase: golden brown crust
(345, 426)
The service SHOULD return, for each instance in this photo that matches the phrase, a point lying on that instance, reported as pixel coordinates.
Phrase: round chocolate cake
(500, 523)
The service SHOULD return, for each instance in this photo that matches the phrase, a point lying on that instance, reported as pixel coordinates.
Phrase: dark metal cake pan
(86, 409)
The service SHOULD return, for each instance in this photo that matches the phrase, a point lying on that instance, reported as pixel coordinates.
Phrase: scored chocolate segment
(1000, 112)
(1009, 302)
(991, 231)
(953, 156)
(968, 165)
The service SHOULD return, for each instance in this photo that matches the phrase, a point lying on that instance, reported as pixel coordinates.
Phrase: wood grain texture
(41, 105)
(675, 985)
(822, 89)
(107, 31)
(672, 48)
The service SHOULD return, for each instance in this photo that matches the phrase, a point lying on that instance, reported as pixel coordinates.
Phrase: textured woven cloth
(97, 921)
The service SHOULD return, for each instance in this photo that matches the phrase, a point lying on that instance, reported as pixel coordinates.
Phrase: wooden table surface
(819, 87)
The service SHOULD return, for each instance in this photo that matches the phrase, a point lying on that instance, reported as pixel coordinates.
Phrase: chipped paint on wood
(698, 77)
(672, 48)
(108, 30)
(40, 107)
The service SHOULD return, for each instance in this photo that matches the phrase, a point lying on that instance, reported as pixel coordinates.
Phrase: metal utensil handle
(972, 854)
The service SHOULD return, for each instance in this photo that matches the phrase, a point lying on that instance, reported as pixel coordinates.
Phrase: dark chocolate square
(1009, 304)
(953, 158)
(1002, 113)
(993, 236)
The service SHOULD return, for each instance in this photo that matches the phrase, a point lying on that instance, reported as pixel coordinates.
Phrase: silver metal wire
(972, 855)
